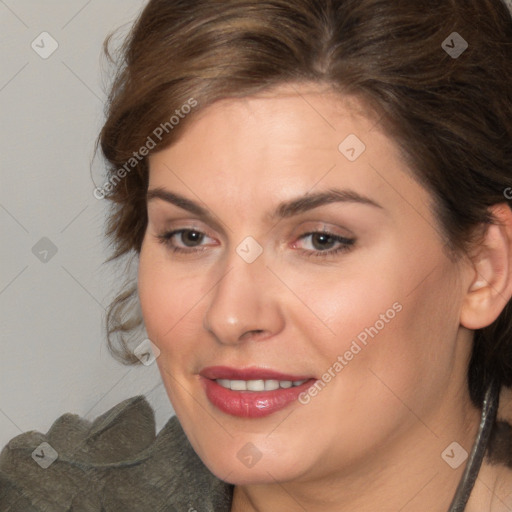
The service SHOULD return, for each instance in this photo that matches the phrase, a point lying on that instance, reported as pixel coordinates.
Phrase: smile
(258, 385)
(251, 392)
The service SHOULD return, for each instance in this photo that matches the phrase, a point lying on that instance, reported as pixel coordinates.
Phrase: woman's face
(302, 250)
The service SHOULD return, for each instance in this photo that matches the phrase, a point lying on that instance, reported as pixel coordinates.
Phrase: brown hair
(451, 115)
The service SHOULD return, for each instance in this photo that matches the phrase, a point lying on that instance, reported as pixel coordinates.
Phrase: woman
(318, 197)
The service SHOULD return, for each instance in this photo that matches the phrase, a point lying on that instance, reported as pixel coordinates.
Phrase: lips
(245, 402)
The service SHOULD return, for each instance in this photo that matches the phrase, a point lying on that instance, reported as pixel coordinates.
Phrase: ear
(490, 285)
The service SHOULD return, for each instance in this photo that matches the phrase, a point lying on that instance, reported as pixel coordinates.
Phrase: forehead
(262, 149)
(278, 123)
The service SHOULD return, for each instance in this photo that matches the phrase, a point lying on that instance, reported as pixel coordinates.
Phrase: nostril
(254, 333)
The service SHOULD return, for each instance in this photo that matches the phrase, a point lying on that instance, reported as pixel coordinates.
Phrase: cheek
(167, 303)
(359, 299)
(417, 346)
(173, 302)
(163, 298)
(397, 320)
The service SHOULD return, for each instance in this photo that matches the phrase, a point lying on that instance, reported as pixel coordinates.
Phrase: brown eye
(191, 238)
(323, 244)
(322, 241)
(186, 240)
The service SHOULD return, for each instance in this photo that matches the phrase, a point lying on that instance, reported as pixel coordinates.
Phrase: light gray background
(53, 354)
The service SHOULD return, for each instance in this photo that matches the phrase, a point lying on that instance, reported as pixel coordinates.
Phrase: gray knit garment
(114, 464)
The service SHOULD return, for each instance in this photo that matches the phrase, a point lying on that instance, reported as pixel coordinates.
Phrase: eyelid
(182, 224)
(173, 232)
(309, 227)
(162, 213)
(335, 236)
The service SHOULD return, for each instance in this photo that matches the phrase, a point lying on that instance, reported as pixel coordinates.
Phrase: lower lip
(252, 404)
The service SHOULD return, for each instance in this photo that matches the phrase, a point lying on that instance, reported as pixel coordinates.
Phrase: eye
(323, 243)
(315, 244)
(183, 240)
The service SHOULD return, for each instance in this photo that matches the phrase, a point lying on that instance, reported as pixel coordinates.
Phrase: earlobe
(491, 285)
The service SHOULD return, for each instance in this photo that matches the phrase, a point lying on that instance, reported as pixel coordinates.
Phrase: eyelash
(346, 243)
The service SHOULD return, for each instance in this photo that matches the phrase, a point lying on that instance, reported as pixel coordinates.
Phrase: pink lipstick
(251, 392)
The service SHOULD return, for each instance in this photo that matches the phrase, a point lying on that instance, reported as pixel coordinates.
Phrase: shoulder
(116, 463)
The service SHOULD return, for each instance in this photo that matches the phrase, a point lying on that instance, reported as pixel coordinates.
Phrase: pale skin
(372, 439)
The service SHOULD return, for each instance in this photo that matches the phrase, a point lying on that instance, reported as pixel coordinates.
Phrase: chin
(260, 474)
(247, 465)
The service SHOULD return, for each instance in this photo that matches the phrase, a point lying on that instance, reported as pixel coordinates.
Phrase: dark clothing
(114, 464)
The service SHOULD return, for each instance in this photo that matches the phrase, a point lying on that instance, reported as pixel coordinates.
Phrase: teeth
(255, 385)
(238, 385)
(258, 385)
(270, 385)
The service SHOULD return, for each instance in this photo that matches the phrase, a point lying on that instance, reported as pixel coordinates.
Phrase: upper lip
(253, 373)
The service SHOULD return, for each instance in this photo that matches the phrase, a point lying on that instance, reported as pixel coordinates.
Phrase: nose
(245, 304)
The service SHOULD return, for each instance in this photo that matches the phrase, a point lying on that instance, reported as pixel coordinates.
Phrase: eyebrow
(286, 209)
(310, 201)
